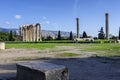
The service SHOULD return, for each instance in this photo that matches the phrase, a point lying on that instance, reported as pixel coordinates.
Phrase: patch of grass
(107, 50)
(30, 46)
(28, 58)
(68, 55)
(110, 53)
(24, 58)
(40, 46)
(57, 50)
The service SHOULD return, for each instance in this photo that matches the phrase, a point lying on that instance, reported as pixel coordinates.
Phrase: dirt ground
(82, 67)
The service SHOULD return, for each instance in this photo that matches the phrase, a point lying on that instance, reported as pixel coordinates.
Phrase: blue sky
(61, 14)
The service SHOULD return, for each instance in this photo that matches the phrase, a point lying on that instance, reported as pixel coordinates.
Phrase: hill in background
(45, 33)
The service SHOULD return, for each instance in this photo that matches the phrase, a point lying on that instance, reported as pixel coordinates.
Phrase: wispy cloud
(18, 16)
(75, 7)
(44, 17)
(7, 23)
(47, 22)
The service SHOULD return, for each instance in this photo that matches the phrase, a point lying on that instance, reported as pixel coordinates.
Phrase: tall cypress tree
(119, 33)
(11, 36)
(84, 34)
(59, 35)
(71, 36)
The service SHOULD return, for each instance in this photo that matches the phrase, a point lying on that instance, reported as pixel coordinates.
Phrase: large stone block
(2, 45)
(118, 41)
(41, 71)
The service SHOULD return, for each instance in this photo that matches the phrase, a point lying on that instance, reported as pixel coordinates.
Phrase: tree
(71, 36)
(59, 35)
(84, 34)
(11, 36)
(101, 34)
(50, 37)
(119, 32)
(3, 36)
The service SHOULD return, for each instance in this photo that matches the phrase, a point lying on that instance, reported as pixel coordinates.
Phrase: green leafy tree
(59, 35)
(101, 34)
(85, 35)
(3, 36)
(71, 36)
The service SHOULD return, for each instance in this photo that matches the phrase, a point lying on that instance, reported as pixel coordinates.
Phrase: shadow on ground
(99, 68)
(7, 71)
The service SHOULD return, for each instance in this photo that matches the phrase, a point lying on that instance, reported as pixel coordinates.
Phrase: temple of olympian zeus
(31, 32)
(106, 26)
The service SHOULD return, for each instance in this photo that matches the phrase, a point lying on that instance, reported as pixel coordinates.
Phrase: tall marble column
(33, 31)
(36, 32)
(26, 33)
(30, 33)
(107, 25)
(23, 34)
(78, 27)
(40, 32)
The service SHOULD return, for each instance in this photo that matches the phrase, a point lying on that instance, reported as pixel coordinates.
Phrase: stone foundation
(41, 71)
(2, 45)
(118, 41)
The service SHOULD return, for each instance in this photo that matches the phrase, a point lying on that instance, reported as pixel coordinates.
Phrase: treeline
(4, 36)
(59, 37)
(101, 34)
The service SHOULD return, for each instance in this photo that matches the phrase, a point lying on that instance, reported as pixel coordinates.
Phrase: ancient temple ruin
(31, 32)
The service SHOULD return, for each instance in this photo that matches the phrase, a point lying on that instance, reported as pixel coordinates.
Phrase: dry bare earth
(81, 67)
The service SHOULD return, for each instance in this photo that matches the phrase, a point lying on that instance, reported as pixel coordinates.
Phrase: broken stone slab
(118, 41)
(2, 45)
(41, 71)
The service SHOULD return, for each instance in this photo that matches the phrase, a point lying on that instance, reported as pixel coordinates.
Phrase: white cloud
(18, 16)
(47, 22)
(7, 22)
(44, 17)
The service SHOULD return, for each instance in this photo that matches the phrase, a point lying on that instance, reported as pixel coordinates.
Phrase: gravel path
(80, 68)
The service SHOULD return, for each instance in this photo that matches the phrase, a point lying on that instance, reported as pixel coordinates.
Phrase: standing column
(30, 33)
(107, 25)
(26, 33)
(77, 19)
(23, 34)
(40, 32)
(36, 32)
(33, 31)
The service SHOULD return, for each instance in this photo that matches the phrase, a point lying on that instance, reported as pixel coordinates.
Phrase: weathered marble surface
(2, 45)
(41, 71)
